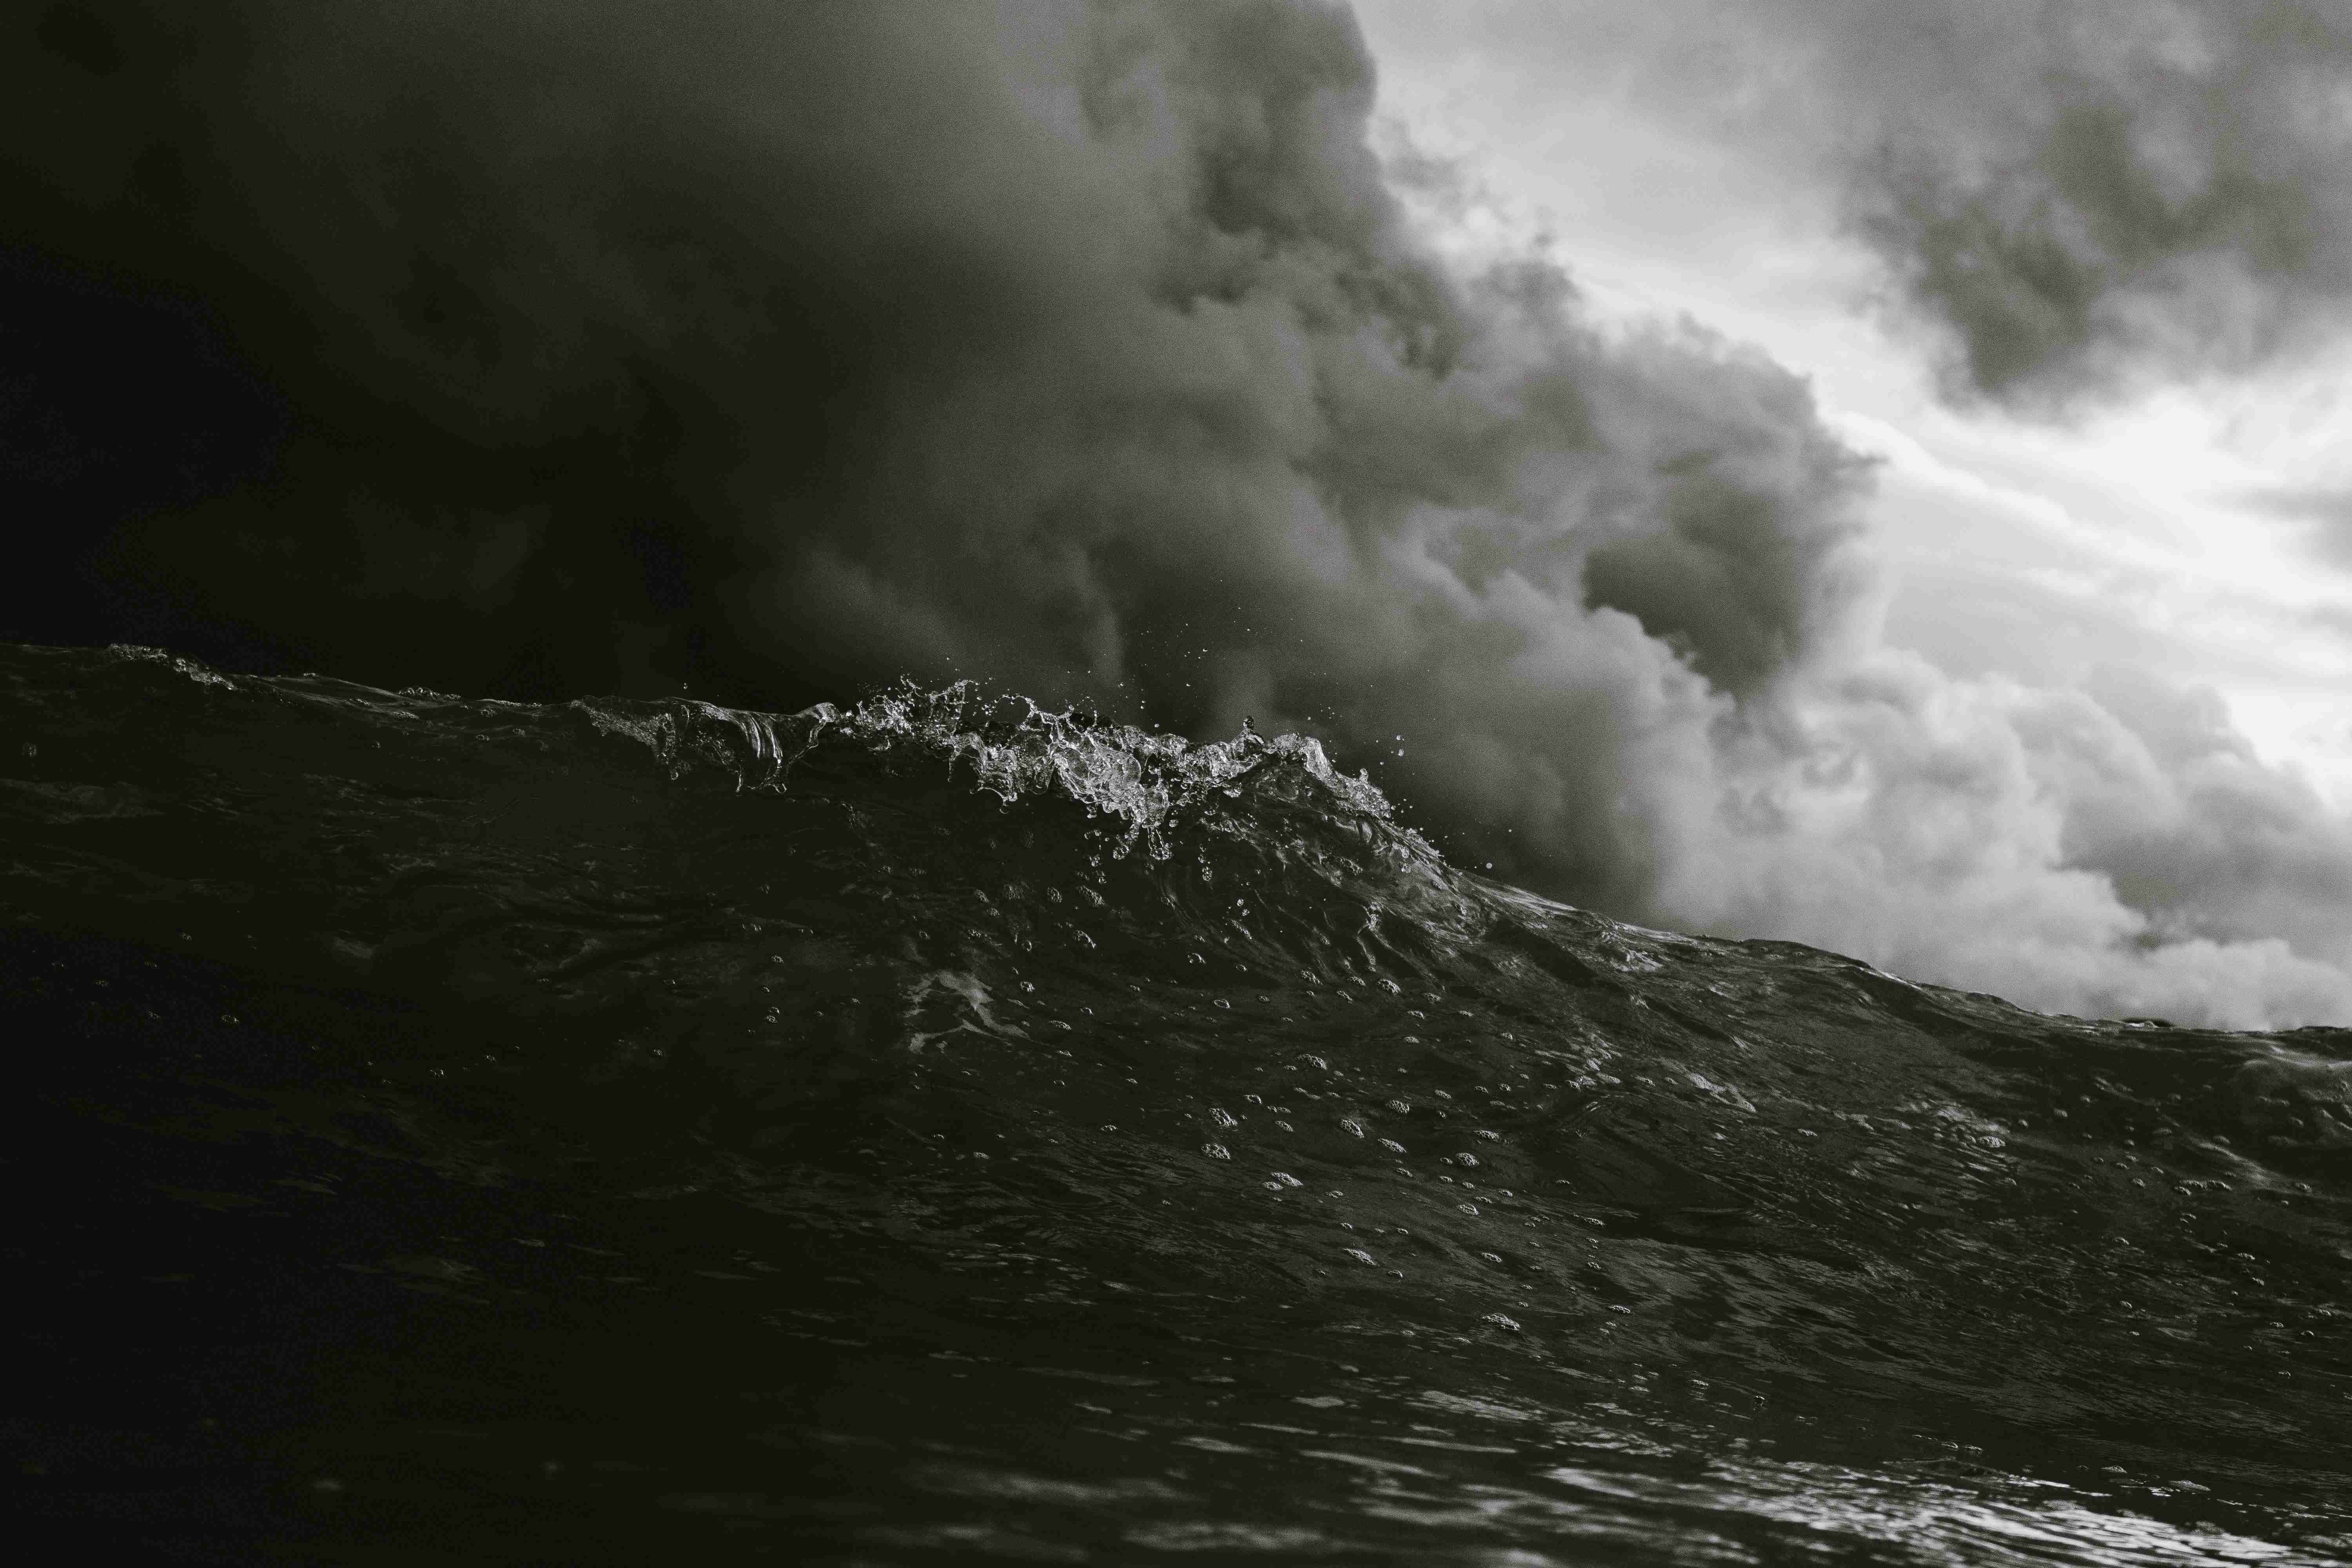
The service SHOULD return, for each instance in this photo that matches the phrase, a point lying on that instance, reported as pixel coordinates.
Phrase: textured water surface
(637, 1132)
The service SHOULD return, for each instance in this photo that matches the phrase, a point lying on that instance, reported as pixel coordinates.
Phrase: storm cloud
(2087, 192)
(1083, 349)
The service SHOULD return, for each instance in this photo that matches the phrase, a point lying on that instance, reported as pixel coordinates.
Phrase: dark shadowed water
(645, 1132)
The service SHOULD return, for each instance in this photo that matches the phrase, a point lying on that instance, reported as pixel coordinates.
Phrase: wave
(939, 1125)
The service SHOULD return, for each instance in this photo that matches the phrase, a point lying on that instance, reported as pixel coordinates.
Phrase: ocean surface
(937, 1130)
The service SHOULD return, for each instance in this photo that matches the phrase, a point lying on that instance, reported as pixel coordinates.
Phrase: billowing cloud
(2117, 849)
(1081, 348)
(2085, 192)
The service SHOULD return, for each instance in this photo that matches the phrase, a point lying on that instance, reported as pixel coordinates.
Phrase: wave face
(939, 1129)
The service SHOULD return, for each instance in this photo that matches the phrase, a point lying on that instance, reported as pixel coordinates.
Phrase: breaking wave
(939, 1126)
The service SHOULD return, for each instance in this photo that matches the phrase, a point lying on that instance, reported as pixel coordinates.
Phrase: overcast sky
(1856, 473)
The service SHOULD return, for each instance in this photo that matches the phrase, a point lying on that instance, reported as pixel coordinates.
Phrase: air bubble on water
(1492, 1256)
(1490, 1137)
(1318, 1062)
(1392, 1146)
(1284, 1179)
(1353, 1126)
(1465, 1159)
(1216, 1152)
(1403, 1108)
(1360, 1256)
(1503, 1321)
(1467, 1208)
(1221, 1117)
(1225, 1004)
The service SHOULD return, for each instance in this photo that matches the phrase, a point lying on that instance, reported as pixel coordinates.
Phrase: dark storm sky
(1087, 349)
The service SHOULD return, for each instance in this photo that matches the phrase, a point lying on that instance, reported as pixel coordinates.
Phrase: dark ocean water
(446, 1130)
